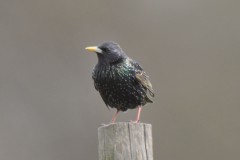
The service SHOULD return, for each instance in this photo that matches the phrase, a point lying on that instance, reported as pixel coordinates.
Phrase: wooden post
(125, 141)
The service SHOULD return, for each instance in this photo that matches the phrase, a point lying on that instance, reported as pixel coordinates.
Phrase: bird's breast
(118, 86)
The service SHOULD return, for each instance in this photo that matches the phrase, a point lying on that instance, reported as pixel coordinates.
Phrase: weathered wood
(125, 141)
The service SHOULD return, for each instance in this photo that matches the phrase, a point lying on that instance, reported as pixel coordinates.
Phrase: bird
(121, 81)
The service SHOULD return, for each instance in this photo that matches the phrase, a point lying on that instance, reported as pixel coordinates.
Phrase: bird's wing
(143, 78)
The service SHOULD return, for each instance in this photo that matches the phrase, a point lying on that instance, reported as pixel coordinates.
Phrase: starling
(121, 81)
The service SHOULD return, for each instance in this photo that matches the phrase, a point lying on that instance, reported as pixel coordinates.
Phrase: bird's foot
(135, 121)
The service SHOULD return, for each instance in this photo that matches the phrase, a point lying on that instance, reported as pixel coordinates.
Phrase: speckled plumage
(121, 81)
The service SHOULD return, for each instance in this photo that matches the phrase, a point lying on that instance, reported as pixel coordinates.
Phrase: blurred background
(49, 109)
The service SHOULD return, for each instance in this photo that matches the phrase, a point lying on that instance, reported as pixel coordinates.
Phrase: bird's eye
(105, 49)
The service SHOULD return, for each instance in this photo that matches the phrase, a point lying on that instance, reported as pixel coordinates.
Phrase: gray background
(49, 109)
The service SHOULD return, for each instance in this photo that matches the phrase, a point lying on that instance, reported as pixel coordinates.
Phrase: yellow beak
(94, 49)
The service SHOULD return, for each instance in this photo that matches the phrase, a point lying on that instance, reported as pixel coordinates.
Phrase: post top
(125, 124)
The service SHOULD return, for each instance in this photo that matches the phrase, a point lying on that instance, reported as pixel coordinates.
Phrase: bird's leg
(138, 114)
(114, 117)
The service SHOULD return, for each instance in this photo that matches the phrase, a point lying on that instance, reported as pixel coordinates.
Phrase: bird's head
(108, 52)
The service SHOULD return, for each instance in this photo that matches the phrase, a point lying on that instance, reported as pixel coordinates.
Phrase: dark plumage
(121, 81)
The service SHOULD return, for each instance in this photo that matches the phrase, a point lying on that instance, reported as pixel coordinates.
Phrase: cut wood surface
(125, 141)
